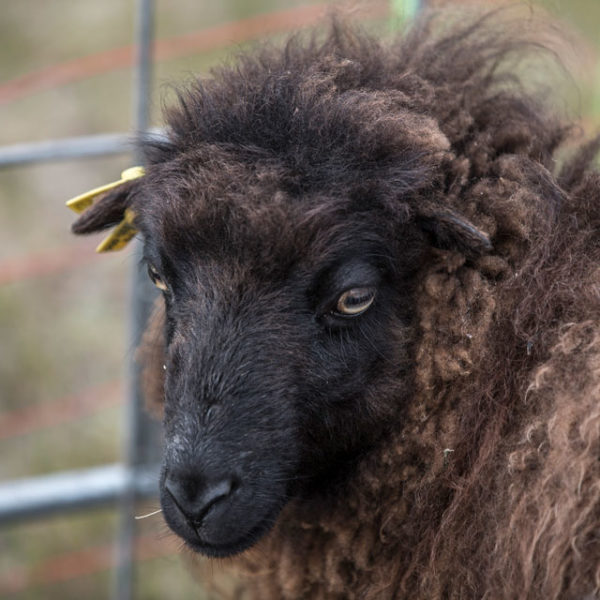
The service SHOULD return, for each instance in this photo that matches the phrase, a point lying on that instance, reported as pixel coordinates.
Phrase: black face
(278, 371)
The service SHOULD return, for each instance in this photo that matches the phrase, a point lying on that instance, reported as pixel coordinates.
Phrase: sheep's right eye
(156, 278)
(355, 301)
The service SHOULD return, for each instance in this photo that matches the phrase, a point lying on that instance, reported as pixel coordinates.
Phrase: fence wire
(136, 477)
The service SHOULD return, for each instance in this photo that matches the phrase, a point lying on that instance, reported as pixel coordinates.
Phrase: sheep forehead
(241, 241)
(215, 218)
(231, 204)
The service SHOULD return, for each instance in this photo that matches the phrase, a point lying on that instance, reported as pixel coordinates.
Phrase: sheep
(381, 319)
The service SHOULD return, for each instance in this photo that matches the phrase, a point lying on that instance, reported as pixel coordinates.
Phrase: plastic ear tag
(121, 235)
(80, 203)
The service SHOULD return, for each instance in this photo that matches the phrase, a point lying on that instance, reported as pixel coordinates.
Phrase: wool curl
(490, 488)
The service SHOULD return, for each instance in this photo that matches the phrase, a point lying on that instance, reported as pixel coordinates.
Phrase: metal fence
(123, 483)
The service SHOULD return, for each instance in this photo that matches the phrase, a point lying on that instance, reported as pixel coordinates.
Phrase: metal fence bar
(86, 146)
(64, 149)
(142, 434)
(69, 490)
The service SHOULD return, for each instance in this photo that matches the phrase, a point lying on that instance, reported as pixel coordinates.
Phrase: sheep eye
(355, 301)
(156, 278)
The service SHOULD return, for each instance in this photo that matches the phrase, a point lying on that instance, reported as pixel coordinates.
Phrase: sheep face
(287, 321)
(285, 220)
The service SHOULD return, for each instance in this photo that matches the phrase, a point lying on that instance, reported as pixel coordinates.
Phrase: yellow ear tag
(121, 235)
(80, 203)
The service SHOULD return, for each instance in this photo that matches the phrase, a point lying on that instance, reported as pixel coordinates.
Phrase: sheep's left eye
(355, 301)
(156, 278)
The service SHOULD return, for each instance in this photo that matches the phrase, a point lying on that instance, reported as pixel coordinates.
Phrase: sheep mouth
(224, 531)
(197, 541)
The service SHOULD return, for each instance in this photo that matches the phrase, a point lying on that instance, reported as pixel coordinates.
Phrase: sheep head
(285, 221)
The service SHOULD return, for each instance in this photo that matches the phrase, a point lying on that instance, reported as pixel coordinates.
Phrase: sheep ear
(107, 210)
(104, 206)
(107, 206)
(449, 230)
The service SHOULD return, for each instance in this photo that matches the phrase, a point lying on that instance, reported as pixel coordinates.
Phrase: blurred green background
(63, 309)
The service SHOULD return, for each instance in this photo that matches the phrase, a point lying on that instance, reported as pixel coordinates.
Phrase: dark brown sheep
(382, 324)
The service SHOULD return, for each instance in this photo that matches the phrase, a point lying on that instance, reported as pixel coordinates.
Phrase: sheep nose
(194, 497)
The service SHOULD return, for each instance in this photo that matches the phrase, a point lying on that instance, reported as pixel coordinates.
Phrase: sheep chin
(245, 542)
(209, 544)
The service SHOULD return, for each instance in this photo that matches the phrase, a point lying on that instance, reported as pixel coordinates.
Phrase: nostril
(218, 491)
(195, 497)
(174, 490)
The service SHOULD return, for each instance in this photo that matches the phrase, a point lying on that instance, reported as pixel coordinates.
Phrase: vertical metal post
(142, 443)
(144, 36)
(406, 9)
